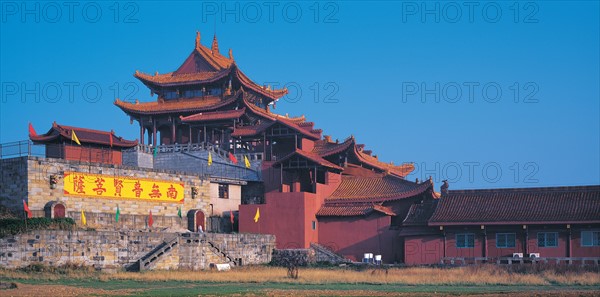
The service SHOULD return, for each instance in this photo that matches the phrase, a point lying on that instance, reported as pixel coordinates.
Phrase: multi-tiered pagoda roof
(209, 94)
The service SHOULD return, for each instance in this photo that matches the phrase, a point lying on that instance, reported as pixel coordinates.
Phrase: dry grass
(478, 275)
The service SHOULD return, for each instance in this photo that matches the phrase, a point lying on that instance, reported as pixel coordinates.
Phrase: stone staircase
(219, 252)
(150, 260)
(323, 254)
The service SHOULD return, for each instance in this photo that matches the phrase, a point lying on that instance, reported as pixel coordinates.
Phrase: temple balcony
(194, 157)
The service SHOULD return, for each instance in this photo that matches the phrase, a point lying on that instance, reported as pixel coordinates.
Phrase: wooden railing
(190, 147)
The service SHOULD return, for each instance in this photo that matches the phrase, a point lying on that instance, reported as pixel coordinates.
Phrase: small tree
(292, 260)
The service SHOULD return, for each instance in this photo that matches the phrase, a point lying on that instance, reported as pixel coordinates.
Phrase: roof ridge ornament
(215, 45)
(230, 54)
(444, 188)
(197, 39)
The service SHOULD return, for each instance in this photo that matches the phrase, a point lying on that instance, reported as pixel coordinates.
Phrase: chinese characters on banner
(122, 187)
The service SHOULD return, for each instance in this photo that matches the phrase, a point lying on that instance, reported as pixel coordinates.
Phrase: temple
(94, 145)
(310, 182)
(211, 146)
(205, 100)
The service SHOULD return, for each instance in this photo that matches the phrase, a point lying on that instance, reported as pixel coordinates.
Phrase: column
(173, 136)
(141, 131)
(525, 249)
(154, 132)
(265, 147)
(485, 246)
(569, 252)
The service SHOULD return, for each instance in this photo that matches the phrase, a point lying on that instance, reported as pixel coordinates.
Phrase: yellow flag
(209, 159)
(74, 137)
(247, 162)
(83, 220)
(257, 215)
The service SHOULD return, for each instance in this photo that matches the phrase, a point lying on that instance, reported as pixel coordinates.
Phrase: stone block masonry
(13, 183)
(113, 249)
(28, 178)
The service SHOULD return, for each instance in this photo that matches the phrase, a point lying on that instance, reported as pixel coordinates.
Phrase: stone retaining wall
(113, 249)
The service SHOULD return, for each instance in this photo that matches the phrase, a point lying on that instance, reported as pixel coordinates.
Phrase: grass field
(272, 281)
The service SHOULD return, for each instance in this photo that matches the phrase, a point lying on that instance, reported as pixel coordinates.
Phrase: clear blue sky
(376, 57)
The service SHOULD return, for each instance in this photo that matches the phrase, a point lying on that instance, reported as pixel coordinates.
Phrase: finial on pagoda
(230, 54)
(215, 45)
(197, 39)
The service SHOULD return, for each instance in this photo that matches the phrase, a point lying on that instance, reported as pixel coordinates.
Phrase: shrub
(67, 268)
(10, 227)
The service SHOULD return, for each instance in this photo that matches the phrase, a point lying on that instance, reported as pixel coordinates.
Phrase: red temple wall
(85, 154)
(559, 251)
(494, 251)
(453, 251)
(288, 216)
(354, 236)
(429, 249)
(423, 249)
(577, 250)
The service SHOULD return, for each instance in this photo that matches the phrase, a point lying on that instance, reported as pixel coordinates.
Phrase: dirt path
(59, 290)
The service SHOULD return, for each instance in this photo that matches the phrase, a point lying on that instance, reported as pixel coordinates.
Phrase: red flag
(111, 141)
(150, 220)
(232, 158)
(231, 217)
(31, 130)
(26, 208)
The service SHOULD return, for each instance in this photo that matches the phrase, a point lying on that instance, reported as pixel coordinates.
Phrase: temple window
(224, 191)
(171, 95)
(505, 240)
(465, 240)
(590, 238)
(547, 239)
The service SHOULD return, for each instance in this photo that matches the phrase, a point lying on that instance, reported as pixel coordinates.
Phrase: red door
(59, 211)
(200, 221)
